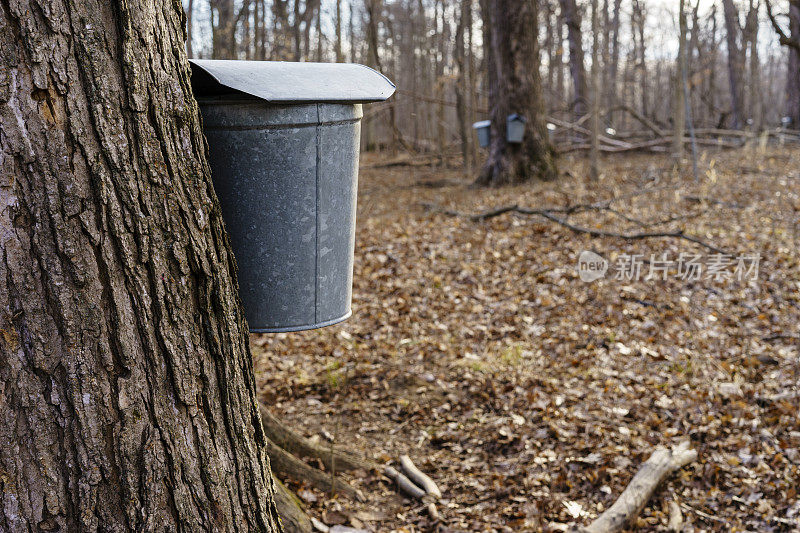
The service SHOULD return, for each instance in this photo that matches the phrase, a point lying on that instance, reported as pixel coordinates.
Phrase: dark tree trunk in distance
(793, 72)
(127, 397)
(515, 86)
(572, 18)
(733, 32)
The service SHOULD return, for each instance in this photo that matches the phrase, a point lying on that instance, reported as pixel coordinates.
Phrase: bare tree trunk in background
(472, 96)
(281, 31)
(692, 48)
(126, 380)
(733, 32)
(338, 50)
(246, 42)
(462, 86)
(559, 61)
(572, 19)
(638, 19)
(262, 41)
(594, 153)
(515, 85)
(441, 138)
(318, 29)
(224, 31)
(308, 15)
(297, 31)
(711, 93)
(352, 32)
(189, 33)
(754, 96)
(679, 100)
(793, 67)
(373, 8)
(613, 67)
(550, 46)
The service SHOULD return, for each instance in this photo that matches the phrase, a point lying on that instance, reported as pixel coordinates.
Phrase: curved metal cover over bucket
(285, 171)
(280, 81)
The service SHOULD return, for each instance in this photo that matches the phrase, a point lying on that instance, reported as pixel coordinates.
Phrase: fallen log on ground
(656, 469)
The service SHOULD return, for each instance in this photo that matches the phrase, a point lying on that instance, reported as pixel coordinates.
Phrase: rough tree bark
(127, 398)
(577, 68)
(512, 59)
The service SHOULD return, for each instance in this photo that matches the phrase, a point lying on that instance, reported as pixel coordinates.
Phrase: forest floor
(531, 396)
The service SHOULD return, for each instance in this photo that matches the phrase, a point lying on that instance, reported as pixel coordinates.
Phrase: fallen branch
(548, 214)
(656, 469)
(675, 523)
(403, 483)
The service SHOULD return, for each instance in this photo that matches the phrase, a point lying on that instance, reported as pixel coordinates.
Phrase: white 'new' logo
(591, 266)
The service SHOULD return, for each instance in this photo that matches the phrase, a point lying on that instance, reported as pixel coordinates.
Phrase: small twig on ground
(403, 483)
(661, 464)
(675, 517)
(701, 514)
(714, 201)
(548, 214)
(420, 478)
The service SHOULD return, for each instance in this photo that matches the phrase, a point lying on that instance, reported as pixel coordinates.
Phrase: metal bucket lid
(287, 82)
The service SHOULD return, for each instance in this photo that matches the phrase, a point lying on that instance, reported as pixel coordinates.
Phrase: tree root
(293, 517)
(283, 444)
(285, 464)
(289, 440)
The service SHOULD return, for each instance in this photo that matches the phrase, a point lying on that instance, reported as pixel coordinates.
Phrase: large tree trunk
(127, 397)
(512, 59)
(572, 19)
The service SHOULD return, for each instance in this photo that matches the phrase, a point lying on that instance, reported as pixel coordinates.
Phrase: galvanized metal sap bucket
(283, 147)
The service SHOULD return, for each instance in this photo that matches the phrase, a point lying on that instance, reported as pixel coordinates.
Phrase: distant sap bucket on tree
(482, 129)
(283, 144)
(515, 128)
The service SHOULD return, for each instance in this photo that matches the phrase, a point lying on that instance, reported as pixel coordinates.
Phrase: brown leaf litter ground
(531, 396)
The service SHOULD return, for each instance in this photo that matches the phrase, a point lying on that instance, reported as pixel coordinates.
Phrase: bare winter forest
(532, 395)
(550, 281)
(736, 66)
